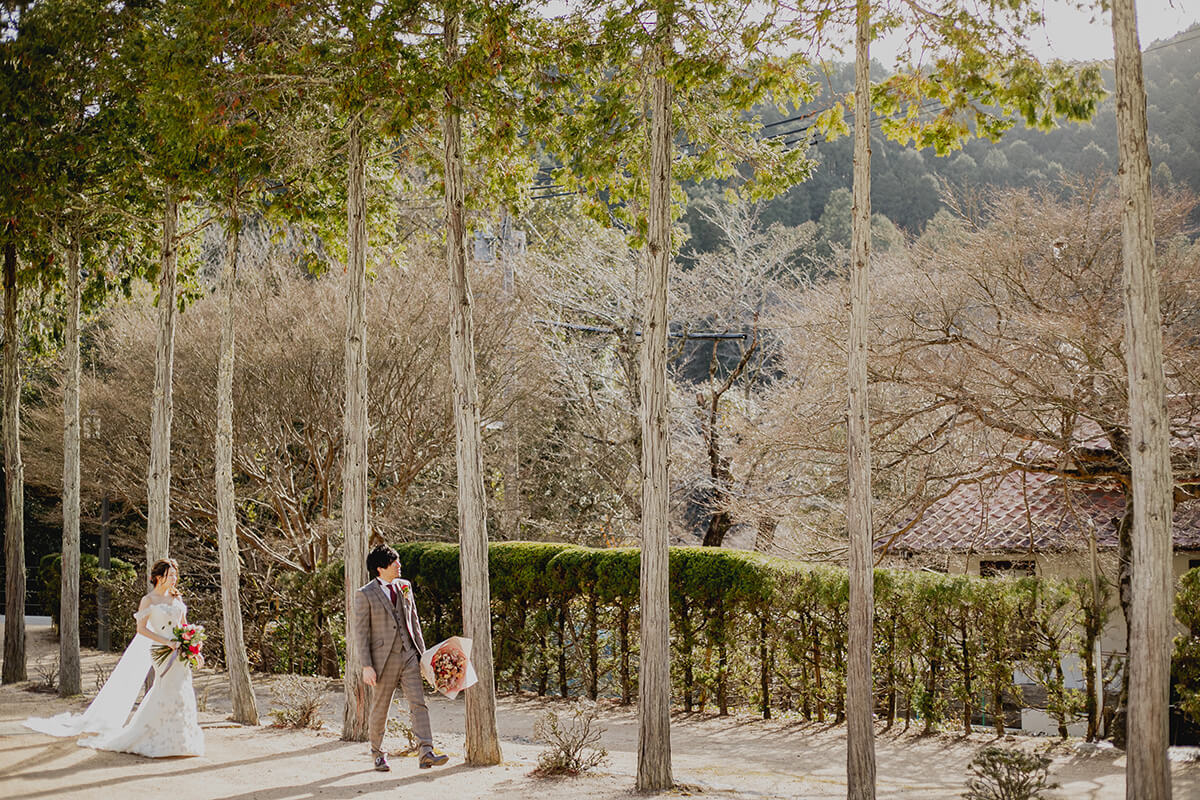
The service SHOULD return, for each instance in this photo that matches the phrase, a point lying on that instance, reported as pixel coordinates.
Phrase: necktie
(392, 593)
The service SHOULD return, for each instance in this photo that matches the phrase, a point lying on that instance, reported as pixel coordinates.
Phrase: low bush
(298, 701)
(1001, 773)
(573, 740)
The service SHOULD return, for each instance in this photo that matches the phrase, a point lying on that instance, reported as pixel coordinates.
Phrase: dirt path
(732, 757)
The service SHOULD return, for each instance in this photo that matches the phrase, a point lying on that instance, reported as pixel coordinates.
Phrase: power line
(700, 335)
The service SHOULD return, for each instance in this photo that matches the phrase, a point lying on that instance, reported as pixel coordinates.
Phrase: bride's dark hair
(160, 570)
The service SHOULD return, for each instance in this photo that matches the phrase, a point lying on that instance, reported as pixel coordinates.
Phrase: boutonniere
(406, 590)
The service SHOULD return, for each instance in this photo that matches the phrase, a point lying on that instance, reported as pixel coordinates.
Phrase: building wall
(1074, 566)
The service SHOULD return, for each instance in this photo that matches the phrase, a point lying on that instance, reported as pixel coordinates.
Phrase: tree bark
(719, 469)
(14, 482)
(860, 727)
(1148, 773)
(654, 687)
(69, 681)
(355, 431)
(245, 710)
(158, 482)
(483, 739)
(1118, 729)
(510, 511)
(103, 623)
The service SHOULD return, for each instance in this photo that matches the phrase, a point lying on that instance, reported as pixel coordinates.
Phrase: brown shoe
(432, 759)
(381, 764)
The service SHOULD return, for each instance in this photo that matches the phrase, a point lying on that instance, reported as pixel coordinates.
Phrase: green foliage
(747, 630)
(1000, 773)
(1186, 658)
(720, 65)
(124, 592)
(304, 631)
(905, 183)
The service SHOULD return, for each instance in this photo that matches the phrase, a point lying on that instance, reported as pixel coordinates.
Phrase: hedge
(747, 631)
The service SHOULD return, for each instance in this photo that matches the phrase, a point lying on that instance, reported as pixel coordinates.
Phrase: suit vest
(406, 642)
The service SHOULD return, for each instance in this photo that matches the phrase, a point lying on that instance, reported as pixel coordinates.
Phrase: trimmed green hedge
(748, 630)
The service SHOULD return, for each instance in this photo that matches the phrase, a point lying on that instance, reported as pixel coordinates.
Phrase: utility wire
(705, 335)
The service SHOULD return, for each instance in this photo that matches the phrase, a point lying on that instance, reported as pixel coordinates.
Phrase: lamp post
(91, 432)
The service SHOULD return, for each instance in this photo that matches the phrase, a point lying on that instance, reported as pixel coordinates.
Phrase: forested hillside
(905, 182)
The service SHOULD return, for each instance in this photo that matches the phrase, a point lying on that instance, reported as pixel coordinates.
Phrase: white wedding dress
(165, 723)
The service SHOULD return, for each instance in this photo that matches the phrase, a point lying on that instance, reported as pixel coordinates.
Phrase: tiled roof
(1029, 512)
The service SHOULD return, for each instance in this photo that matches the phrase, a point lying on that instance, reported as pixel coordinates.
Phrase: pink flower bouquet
(190, 638)
(447, 666)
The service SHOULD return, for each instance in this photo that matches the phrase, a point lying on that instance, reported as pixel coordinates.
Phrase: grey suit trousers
(402, 669)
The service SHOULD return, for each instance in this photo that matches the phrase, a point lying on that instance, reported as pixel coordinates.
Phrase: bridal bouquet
(190, 637)
(447, 666)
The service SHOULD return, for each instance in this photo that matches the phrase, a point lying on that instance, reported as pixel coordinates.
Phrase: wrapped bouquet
(190, 637)
(447, 666)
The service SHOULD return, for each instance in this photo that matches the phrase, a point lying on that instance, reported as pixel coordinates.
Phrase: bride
(165, 722)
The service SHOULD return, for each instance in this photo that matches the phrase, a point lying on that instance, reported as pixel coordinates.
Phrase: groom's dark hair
(380, 558)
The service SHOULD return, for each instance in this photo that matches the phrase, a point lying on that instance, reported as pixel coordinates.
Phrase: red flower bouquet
(190, 638)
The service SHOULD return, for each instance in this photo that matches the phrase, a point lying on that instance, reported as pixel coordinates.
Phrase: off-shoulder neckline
(173, 600)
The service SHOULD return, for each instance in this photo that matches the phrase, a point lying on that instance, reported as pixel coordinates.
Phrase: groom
(388, 635)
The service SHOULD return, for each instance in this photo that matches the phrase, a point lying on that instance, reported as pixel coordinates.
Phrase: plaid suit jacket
(377, 624)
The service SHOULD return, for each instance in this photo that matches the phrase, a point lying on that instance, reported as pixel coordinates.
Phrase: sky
(1074, 35)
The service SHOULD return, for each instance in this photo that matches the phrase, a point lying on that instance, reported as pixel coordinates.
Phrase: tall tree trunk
(654, 688)
(1118, 730)
(510, 511)
(103, 622)
(14, 481)
(1148, 773)
(354, 465)
(483, 739)
(860, 727)
(158, 482)
(69, 682)
(244, 709)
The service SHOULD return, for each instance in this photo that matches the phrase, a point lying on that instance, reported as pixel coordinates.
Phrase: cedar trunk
(483, 739)
(14, 482)
(860, 727)
(244, 709)
(654, 688)
(158, 481)
(354, 465)
(69, 681)
(1148, 773)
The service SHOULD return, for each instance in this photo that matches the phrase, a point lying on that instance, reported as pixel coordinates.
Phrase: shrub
(101, 673)
(124, 592)
(1186, 659)
(1001, 773)
(47, 676)
(300, 699)
(573, 740)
